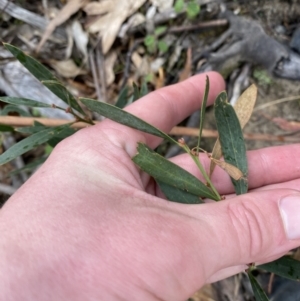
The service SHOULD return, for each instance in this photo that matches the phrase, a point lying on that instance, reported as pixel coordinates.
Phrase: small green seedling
(154, 42)
(177, 184)
(192, 8)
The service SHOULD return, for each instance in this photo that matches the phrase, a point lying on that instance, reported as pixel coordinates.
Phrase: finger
(168, 106)
(256, 227)
(267, 166)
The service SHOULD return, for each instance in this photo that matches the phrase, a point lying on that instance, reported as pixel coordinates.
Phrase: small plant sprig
(192, 8)
(154, 42)
(177, 184)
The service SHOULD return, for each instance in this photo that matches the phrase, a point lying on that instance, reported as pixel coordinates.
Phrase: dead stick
(176, 131)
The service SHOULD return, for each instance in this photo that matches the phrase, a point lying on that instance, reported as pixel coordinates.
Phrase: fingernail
(290, 212)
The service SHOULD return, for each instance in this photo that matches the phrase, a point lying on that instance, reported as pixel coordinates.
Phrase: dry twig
(176, 131)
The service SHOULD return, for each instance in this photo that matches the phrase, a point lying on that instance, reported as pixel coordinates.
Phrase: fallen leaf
(245, 105)
(160, 79)
(81, 38)
(186, 72)
(98, 8)
(141, 64)
(112, 14)
(63, 15)
(66, 68)
(243, 108)
(174, 57)
(135, 20)
(109, 63)
(163, 5)
(157, 64)
(136, 59)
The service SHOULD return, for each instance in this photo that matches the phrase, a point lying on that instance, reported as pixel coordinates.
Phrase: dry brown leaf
(112, 14)
(66, 68)
(136, 59)
(163, 5)
(217, 154)
(81, 39)
(133, 21)
(186, 72)
(160, 79)
(206, 293)
(243, 108)
(109, 63)
(232, 170)
(64, 14)
(141, 64)
(99, 8)
(245, 105)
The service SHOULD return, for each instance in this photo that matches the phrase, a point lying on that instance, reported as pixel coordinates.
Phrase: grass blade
(232, 140)
(259, 293)
(286, 267)
(203, 111)
(144, 89)
(44, 76)
(123, 117)
(136, 92)
(122, 98)
(169, 173)
(31, 142)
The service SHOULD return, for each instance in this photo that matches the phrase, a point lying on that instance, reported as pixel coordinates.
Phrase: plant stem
(202, 170)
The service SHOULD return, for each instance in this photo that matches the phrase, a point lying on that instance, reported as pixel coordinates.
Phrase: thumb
(253, 228)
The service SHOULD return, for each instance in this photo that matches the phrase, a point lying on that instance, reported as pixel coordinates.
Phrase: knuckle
(249, 227)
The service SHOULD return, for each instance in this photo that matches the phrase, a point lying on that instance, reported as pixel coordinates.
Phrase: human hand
(89, 225)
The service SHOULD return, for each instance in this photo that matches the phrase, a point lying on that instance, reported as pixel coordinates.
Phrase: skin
(89, 225)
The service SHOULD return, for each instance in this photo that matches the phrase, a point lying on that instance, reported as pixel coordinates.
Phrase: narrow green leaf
(259, 294)
(123, 117)
(29, 167)
(44, 76)
(136, 92)
(17, 101)
(177, 195)
(31, 142)
(203, 110)
(144, 89)
(286, 267)
(37, 127)
(33, 66)
(63, 93)
(232, 140)
(169, 173)
(14, 109)
(122, 99)
(6, 128)
(67, 132)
